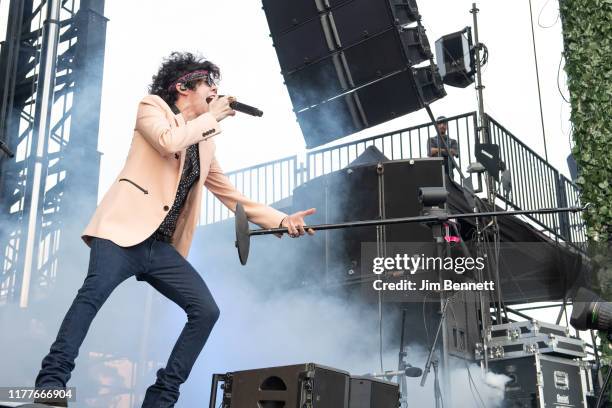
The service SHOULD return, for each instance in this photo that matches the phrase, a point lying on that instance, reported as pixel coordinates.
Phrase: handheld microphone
(242, 107)
(409, 371)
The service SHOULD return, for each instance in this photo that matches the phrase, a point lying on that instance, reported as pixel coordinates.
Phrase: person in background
(439, 148)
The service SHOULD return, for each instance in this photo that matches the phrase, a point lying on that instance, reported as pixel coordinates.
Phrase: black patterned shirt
(189, 176)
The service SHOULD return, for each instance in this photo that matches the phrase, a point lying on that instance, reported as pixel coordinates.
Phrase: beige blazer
(140, 197)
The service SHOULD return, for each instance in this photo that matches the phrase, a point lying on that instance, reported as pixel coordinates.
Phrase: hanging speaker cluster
(349, 64)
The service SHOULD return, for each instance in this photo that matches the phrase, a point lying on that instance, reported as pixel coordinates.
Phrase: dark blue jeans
(166, 270)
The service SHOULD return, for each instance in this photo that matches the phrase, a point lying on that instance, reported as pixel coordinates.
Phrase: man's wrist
(280, 225)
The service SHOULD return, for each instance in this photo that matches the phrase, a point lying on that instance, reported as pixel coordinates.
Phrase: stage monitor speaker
(368, 392)
(300, 385)
(455, 57)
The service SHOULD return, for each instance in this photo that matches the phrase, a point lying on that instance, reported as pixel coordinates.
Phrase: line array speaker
(385, 99)
(337, 50)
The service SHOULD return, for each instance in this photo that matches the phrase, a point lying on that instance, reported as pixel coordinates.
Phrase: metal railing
(409, 143)
(265, 183)
(535, 183)
(573, 228)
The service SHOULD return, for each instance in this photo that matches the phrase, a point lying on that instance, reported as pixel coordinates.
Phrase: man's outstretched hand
(295, 223)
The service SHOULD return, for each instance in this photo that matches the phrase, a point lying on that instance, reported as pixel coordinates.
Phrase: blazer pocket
(135, 185)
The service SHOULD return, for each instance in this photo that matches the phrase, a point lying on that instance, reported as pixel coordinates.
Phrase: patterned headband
(190, 76)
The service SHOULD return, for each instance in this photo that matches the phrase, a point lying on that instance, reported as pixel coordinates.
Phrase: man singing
(144, 225)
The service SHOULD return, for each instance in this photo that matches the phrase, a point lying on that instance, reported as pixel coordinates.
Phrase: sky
(235, 36)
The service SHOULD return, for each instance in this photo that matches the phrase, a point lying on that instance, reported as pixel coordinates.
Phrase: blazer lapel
(180, 121)
(205, 148)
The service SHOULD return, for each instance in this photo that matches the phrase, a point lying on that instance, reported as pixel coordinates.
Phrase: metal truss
(51, 68)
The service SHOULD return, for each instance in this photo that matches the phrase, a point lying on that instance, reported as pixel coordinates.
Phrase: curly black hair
(175, 66)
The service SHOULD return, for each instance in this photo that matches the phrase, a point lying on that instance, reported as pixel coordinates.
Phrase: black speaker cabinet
(352, 60)
(359, 19)
(363, 192)
(455, 56)
(296, 386)
(330, 120)
(404, 11)
(387, 98)
(283, 15)
(373, 393)
(369, 60)
(463, 323)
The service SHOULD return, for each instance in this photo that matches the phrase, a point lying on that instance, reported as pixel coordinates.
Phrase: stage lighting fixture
(488, 155)
(455, 58)
(432, 196)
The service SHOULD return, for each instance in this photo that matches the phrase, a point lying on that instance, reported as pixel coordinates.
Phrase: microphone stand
(437, 391)
(432, 349)
(438, 235)
(401, 366)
